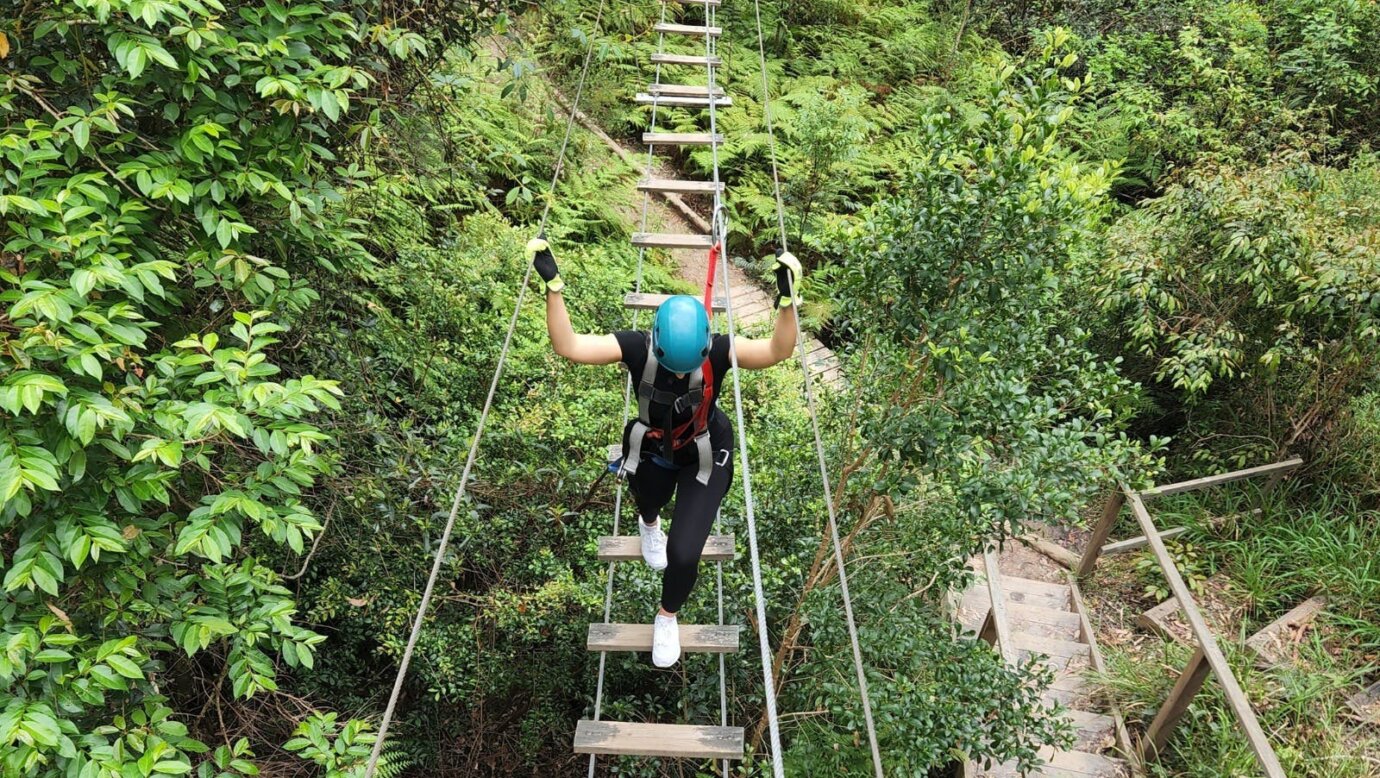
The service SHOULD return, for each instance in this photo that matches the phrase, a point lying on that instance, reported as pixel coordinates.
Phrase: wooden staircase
(1047, 620)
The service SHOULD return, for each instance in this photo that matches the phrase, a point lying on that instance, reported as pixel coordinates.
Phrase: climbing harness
(698, 400)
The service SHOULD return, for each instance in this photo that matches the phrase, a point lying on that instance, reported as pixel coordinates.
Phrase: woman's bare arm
(760, 354)
(578, 348)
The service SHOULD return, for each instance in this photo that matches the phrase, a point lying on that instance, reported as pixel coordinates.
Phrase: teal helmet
(680, 334)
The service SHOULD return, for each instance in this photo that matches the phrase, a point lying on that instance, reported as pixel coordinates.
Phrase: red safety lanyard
(709, 282)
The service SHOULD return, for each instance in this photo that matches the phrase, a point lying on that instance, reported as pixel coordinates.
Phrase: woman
(680, 441)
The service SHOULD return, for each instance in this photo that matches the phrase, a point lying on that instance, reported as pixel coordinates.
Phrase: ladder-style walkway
(1047, 620)
(692, 741)
(720, 743)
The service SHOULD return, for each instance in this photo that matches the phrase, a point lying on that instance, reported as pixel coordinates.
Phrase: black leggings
(696, 507)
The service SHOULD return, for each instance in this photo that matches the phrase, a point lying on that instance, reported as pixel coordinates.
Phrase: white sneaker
(653, 545)
(665, 641)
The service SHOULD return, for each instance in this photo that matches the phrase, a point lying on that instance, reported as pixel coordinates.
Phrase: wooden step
(649, 302)
(1365, 704)
(683, 90)
(752, 308)
(680, 138)
(1021, 616)
(626, 548)
(1092, 730)
(1036, 587)
(1043, 622)
(685, 59)
(688, 29)
(1071, 665)
(679, 186)
(666, 240)
(1049, 646)
(1069, 682)
(1024, 591)
(1081, 696)
(681, 102)
(673, 740)
(707, 638)
(1276, 642)
(1068, 764)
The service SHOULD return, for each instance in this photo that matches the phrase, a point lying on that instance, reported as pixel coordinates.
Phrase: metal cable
(710, 20)
(717, 224)
(763, 641)
(771, 134)
(627, 399)
(474, 444)
(814, 423)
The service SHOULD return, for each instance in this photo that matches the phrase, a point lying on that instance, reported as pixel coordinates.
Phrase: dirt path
(668, 213)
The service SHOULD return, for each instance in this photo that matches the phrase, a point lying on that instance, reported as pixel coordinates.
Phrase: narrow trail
(669, 213)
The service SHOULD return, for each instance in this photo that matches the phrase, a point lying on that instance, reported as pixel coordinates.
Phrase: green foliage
(1187, 561)
(1326, 546)
(1180, 83)
(935, 699)
(981, 408)
(207, 205)
(342, 751)
(844, 81)
(1308, 705)
(1253, 296)
(416, 337)
(982, 377)
(1353, 454)
(164, 166)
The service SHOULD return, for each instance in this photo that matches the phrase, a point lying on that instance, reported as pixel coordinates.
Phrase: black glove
(545, 263)
(788, 274)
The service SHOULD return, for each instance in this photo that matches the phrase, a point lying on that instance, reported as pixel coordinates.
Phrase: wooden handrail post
(1175, 706)
(1274, 469)
(1207, 645)
(988, 632)
(1101, 531)
(997, 614)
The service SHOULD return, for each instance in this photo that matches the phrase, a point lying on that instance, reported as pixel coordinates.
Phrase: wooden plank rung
(665, 240)
(667, 740)
(681, 138)
(672, 101)
(627, 548)
(685, 59)
(679, 186)
(683, 90)
(688, 29)
(642, 301)
(702, 638)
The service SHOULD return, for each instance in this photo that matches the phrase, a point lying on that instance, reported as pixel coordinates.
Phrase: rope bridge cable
(478, 432)
(718, 229)
(711, 19)
(627, 407)
(814, 421)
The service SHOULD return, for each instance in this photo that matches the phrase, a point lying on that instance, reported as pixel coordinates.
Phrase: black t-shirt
(634, 346)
